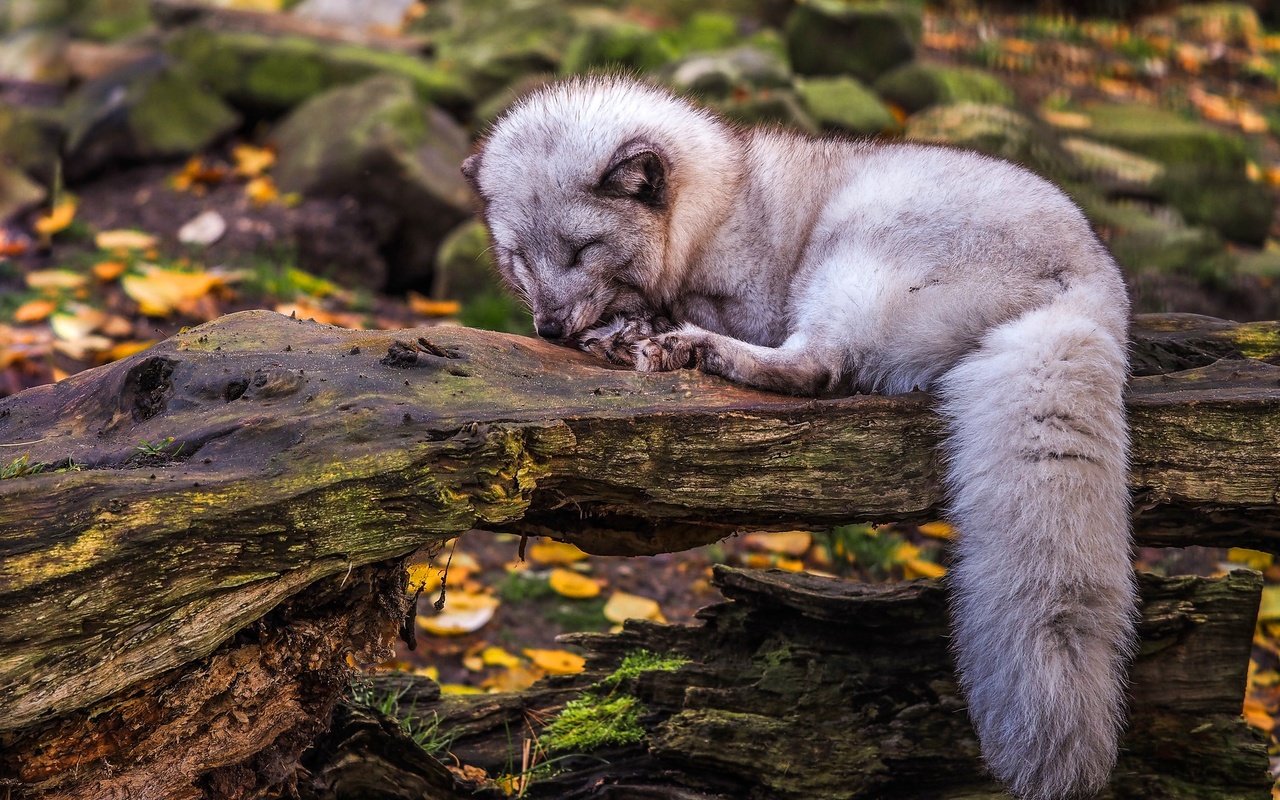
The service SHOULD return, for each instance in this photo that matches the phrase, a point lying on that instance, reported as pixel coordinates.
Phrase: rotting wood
(281, 454)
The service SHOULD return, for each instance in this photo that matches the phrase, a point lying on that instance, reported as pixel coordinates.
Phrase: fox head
(581, 185)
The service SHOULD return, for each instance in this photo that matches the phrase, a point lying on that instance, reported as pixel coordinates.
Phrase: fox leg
(792, 368)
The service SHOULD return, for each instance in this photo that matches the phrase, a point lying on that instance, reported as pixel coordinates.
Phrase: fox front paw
(616, 340)
(680, 349)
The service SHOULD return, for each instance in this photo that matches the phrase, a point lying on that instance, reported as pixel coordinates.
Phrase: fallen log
(165, 504)
(805, 687)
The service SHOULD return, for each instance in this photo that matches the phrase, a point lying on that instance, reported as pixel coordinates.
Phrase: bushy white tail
(1043, 596)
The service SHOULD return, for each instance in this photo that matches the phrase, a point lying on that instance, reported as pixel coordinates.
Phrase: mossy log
(803, 687)
(254, 463)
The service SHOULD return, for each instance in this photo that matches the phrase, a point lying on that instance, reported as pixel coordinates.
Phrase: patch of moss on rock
(865, 40)
(591, 722)
(917, 86)
(844, 104)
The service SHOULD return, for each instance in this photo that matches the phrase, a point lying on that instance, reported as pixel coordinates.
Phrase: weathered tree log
(804, 687)
(280, 455)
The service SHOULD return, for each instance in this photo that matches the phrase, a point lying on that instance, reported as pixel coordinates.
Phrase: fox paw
(682, 349)
(616, 340)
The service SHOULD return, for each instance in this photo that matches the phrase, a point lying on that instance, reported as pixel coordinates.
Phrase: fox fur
(650, 231)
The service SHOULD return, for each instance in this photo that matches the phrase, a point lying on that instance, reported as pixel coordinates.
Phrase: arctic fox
(650, 231)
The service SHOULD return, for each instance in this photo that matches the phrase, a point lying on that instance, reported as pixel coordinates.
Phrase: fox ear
(471, 171)
(637, 171)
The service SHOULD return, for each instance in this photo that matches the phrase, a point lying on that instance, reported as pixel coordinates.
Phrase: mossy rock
(35, 55)
(17, 192)
(1239, 209)
(1111, 167)
(1236, 24)
(266, 74)
(917, 86)
(995, 130)
(1169, 138)
(18, 14)
(607, 42)
(1146, 238)
(145, 112)
(719, 75)
(31, 139)
(492, 47)
(865, 40)
(110, 20)
(376, 142)
(767, 107)
(844, 104)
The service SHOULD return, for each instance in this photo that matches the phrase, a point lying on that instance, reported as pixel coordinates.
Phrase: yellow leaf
(905, 552)
(937, 530)
(758, 561)
(432, 672)
(126, 349)
(1252, 559)
(557, 662)
(76, 323)
(261, 190)
(464, 612)
(1070, 120)
(515, 679)
(427, 307)
(622, 606)
(424, 576)
(124, 240)
(790, 564)
(58, 219)
(1270, 608)
(252, 161)
(459, 688)
(497, 657)
(791, 543)
(55, 279)
(570, 584)
(550, 551)
(107, 271)
(34, 310)
(1255, 713)
(159, 292)
(919, 568)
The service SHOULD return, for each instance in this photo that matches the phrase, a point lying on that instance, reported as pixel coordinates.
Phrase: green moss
(591, 722)
(174, 116)
(1168, 137)
(865, 40)
(916, 86)
(521, 587)
(638, 662)
(579, 615)
(280, 80)
(844, 104)
(617, 44)
(1258, 340)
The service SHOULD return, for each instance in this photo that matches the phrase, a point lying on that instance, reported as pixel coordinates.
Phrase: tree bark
(237, 467)
(804, 687)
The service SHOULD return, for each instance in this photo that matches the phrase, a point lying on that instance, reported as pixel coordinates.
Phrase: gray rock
(992, 129)
(17, 192)
(717, 75)
(377, 142)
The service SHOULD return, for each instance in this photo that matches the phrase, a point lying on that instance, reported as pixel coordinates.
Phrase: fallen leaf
(427, 307)
(1252, 559)
(203, 229)
(159, 292)
(515, 679)
(55, 279)
(557, 662)
(424, 577)
(77, 322)
(13, 244)
(790, 564)
(464, 612)
(919, 568)
(1070, 120)
(107, 271)
(791, 543)
(497, 657)
(623, 606)
(196, 175)
(34, 311)
(568, 583)
(459, 688)
(125, 349)
(552, 552)
(937, 530)
(1270, 608)
(58, 219)
(1255, 713)
(261, 190)
(252, 161)
(124, 240)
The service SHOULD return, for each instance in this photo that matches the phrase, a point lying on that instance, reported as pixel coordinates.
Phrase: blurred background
(163, 162)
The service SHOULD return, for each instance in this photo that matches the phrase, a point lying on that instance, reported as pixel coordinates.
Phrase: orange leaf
(261, 190)
(790, 543)
(570, 584)
(557, 662)
(432, 308)
(623, 606)
(126, 349)
(34, 310)
(550, 551)
(252, 161)
(58, 219)
(107, 271)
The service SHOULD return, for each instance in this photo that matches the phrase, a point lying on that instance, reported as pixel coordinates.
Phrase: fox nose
(551, 329)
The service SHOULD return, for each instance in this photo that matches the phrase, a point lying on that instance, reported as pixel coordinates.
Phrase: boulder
(1148, 238)
(718, 75)
(17, 192)
(845, 104)
(610, 41)
(766, 107)
(995, 130)
(1235, 24)
(31, 139)
(916, 86)
(1113, 169)
(862, 39)
(269, 74)
(110, 20)
(377, 142)
(147, 111)
(1205, 167)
